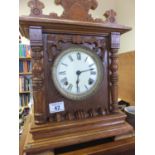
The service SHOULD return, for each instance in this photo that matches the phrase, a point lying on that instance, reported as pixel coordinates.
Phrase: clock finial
(110, 16)
(36, 7)
(77, 9)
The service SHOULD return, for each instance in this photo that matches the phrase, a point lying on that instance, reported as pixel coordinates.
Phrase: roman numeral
(78, 56)
(86, 87)
(70, 57)
(62, 73)
(90, 81)
(86, 59)
(69, 88)
(91, 65)
(93, 73)
(64, 64)
(64, 80)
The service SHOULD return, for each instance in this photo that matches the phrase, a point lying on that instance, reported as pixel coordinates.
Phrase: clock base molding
(50, 136)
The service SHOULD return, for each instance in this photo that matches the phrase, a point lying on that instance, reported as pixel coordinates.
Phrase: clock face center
(78, 72)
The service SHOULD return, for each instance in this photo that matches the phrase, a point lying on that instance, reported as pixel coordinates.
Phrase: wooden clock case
(93, 118)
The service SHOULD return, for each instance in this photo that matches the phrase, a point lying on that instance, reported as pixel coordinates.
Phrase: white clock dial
(76, 73)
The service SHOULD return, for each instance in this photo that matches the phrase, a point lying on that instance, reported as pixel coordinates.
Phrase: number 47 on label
(56, 107)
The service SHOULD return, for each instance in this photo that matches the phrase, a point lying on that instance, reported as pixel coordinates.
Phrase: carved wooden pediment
(77, 9)
(73, 10)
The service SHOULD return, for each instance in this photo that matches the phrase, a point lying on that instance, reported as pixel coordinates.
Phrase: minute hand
(87, 70)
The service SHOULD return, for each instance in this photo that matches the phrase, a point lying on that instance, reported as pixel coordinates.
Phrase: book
(20, 50)
(28, 52)
(24, 51)
(20, 66)
(25, 66)
(25, 69)
(25, 83)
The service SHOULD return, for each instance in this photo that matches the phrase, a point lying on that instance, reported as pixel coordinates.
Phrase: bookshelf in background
(25, 82)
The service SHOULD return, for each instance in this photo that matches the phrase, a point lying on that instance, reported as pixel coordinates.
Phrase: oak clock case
(77, 72)
(88, 114)
(50, 35)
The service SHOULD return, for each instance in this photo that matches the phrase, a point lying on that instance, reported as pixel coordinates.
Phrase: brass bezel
(96, 86)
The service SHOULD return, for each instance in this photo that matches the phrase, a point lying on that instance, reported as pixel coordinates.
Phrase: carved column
(115, 44)
(37, 74)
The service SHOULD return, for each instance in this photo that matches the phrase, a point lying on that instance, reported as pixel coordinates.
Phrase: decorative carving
(37, 83)
(73, 10)
(36, 7)
(77, 39)
(37, 74)
(110, 16)
(50, 53)
(39, 117)
(56, 42)
(37, 68)
(77, 9)
(36, 53)
(53, 15)
(69, 116)
(115, 43)
(91, 113)
(58, 117)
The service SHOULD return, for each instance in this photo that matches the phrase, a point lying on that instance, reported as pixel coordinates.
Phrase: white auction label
(56, 107)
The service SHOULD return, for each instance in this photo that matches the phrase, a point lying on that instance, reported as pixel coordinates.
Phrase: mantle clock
(74, 75)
